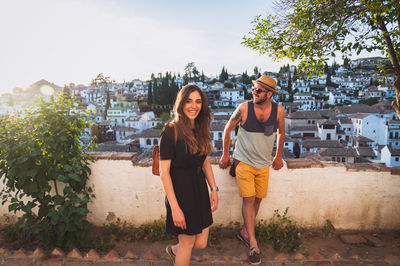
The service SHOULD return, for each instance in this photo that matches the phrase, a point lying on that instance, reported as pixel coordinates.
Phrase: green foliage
(281, 231)
(328, 228)
(312, 31)
(370, 101)
(228, 84)
(224, 74)
(164, 116)
(45, 171)
(164, 89)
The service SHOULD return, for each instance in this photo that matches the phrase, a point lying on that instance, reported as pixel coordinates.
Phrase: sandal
(171, 254)
(243, 240)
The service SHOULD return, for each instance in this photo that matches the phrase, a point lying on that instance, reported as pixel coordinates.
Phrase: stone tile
(50, 262)
(353, 239)
(281, 256)
(227, 264)
(292, 263)
(18, 262)
(150, 256)
(74, 254)
(78, 263)
(20, 253)
(317, 263)
(264, 264)
(346, 263)
(299, 256)
(200, 264)
(92, 254)
(374, 241)
(163, 263)
(242, 257)
(316, 256)
(5, 252)
(130, 255)
(336, 256)
(391, 258)
(112, 255)
(58, 252)
(206, 257)
(129, 263)
(376, 264)
(38, 253)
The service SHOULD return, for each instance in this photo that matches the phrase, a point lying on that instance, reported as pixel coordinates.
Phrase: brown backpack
(156, 152)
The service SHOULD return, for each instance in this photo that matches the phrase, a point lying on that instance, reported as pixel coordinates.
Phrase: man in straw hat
(259, 120)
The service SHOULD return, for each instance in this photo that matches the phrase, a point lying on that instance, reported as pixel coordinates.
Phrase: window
(333, 159)
(155, 141)
(286, 144)
(219, 136)
(338, 159)
(343, 159)
(148, 142)
(396, 159)
(328, 136)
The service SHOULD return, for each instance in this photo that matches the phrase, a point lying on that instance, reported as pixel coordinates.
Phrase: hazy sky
(66, 41)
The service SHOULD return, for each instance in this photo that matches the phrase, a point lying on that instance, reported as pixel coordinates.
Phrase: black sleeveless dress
(189, 184)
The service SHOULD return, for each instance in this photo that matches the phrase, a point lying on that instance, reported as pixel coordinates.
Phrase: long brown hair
(201, 142)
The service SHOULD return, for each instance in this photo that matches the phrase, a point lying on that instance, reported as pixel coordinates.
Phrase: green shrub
(42, 161)
(281, 231)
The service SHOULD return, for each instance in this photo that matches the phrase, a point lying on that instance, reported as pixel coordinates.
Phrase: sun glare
(46, 90)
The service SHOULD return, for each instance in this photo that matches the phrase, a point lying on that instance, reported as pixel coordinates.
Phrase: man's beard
(261, 101)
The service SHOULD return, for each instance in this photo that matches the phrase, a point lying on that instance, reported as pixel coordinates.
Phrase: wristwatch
(215, 188)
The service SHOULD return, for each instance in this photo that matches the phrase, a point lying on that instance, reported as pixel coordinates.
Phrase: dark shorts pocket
(232, 170)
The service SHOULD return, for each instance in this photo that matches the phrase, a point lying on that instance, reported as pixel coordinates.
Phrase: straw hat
(266, 82)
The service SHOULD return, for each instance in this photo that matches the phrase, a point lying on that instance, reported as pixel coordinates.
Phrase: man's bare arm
(232, 123)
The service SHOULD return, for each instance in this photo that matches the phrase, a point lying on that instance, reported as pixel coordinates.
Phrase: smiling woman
(185, 173)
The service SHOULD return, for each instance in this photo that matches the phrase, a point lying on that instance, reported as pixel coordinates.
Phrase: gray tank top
(255, 139)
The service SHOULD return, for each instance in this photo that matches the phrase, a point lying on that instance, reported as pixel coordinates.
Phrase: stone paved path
(75, 257)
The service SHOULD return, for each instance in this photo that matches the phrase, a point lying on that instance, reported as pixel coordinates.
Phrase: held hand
(224, 161)
(214, 200)
(277, 163)
(179, 218)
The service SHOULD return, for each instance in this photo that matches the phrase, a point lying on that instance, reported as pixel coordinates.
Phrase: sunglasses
(258, 91)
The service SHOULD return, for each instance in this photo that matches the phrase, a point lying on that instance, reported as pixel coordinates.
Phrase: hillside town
(343, 116)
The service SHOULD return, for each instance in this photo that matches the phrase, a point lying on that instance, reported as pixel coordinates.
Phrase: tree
(45, 171)
(224, 74)
(102, 83)
(191, 72)
(311, 31)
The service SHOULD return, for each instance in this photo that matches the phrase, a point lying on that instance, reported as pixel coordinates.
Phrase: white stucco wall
(351, 200)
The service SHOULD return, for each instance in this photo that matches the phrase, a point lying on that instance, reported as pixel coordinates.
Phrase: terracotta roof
(345, 121)
(148, 133)
(305, 115)
(304, 128)
(123, 128)
(322, 144)
(217, 127)
(345, 152)
(394, 152)
(105, 123)
(352, 109)
(359, 115)
(366, 151)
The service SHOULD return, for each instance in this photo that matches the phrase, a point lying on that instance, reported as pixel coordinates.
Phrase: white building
(369, 126)
(390, 156)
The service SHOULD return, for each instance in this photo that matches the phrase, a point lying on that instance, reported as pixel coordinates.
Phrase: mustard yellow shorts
(252, 181)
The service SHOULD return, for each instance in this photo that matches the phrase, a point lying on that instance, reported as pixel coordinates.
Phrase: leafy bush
(281, 230)
(45, 171)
